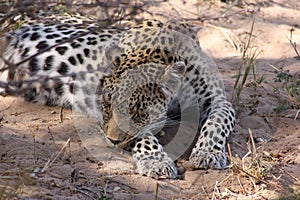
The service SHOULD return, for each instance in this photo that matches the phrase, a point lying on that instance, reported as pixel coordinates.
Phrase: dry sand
(31, 134)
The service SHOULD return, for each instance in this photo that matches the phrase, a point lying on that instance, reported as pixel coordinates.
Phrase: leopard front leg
(151, 160)
(209, 151)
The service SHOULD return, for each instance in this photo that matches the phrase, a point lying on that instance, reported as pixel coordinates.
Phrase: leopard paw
(202, 159)
(157, 168)
(151, 160)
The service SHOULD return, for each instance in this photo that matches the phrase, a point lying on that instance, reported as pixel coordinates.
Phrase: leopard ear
(185, 28)
(111, 58)
(108, 71)
(179, 67)
(112, 51)
(173, 76)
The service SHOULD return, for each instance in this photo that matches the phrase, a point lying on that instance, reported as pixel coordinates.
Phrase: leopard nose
(115, 142)
(113, 132)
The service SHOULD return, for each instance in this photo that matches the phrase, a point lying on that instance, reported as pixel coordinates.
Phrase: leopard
(133, 80)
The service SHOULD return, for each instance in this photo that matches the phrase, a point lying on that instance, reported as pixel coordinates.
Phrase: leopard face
(137, 98)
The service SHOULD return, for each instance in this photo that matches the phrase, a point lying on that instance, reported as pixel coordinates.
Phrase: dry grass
(248, 65)
(251, 172)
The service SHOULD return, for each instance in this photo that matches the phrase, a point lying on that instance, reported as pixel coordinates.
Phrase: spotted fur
(129, 79)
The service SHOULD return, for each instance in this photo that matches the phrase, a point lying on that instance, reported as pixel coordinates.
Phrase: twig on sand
(61, 120)
(85, 193)
(51, 161)
(204, 191)
(216, 191)
(252, 140)
(241, 184)
(116, 181)
(286, 172)
(156, 191)
(259, 179)
(230, 153)
(83, 189)
(297, 114)
(229, 35)
(276, 69)
(8, 107)
(294, 45)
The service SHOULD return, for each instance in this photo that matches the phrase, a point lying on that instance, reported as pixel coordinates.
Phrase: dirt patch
(31, 134)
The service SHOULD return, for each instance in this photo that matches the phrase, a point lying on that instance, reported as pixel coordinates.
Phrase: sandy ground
(31, 135)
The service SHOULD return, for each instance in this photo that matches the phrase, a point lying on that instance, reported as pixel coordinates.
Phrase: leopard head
(136, 95)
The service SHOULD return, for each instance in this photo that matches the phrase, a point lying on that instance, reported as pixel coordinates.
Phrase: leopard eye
(107, 97)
